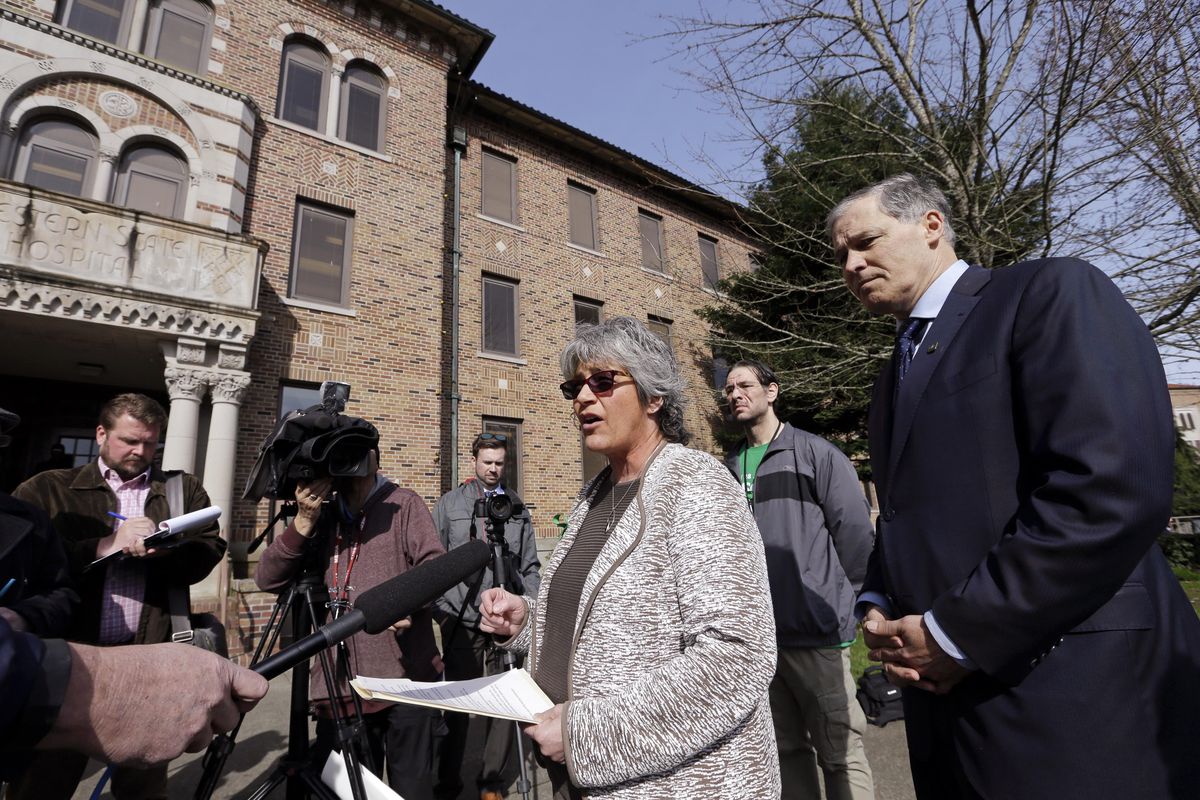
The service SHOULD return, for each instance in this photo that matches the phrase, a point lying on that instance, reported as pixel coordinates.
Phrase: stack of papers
(509, 695)
(170, 528)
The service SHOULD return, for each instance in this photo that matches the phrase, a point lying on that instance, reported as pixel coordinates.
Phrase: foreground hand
(547, 732)
(128, 538)
(310, 499)
(14, 620)
(910, 654)
(501, 613)
(146, 704)
(402, 624)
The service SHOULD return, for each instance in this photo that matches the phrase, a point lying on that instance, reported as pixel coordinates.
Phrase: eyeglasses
(487, 437)
(601, 382)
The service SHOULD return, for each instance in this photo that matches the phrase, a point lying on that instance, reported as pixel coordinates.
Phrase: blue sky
(636, 96)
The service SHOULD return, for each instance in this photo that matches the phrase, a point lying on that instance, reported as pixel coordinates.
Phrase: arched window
(179, 32)
(58, 155)
(151, 179)
(303, 85)
(363, 107)
(107, 20)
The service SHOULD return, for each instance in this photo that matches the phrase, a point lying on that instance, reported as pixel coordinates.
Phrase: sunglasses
(488, 437)
(601, 382)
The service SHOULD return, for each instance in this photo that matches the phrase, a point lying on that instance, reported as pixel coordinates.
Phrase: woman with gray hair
(652, 630)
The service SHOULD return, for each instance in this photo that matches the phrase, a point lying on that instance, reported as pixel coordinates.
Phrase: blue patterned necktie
(906, 345)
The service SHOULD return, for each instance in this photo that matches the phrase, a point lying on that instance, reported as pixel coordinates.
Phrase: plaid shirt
(125, 581)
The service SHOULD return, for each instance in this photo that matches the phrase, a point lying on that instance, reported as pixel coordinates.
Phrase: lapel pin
(932, 348)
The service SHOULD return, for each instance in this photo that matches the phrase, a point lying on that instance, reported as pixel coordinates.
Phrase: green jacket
(78, 500)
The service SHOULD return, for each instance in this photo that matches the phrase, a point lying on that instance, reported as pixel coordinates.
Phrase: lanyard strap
(340, 594)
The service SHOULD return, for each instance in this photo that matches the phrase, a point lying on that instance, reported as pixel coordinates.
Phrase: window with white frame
(179, 32)
(152, 179)
(650, 231)
(321, 250)
(57, 154)
(660, 327)
(581, 211)
(587, 312)
(106, 20)
(499, 195)
(708, 261)
(303, 84)
(500, 315)
(363, 107)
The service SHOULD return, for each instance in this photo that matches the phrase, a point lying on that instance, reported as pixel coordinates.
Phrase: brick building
(224, 204)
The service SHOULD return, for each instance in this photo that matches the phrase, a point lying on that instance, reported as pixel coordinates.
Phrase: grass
(858, 657)
(1188, 579)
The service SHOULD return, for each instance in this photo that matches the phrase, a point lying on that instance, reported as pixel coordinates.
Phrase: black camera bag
(880, 700)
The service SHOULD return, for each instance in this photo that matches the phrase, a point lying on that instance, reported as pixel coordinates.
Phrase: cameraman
(468, 652)
(362, 531)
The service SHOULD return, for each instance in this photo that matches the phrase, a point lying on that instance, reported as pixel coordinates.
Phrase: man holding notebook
(107, 506)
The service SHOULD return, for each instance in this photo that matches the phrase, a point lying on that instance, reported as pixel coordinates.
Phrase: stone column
(186, 387)
(228, 389)
(335, 101)
(137, 26)
(106, 167)
(8, 144)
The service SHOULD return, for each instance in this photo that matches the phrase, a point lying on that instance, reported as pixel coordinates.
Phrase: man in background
(109, 506)
(816, 528)
(358, 531)
(470, 653)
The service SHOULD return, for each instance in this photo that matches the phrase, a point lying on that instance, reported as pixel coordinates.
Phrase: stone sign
(121, 249)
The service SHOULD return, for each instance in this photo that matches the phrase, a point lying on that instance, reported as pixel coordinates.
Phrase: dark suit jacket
(77, 501)
(1024, 471)
(31, 553)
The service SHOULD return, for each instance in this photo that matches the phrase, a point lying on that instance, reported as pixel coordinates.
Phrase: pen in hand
(115, 515)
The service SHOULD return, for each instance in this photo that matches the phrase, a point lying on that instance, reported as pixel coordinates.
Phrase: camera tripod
(301, 602)
(499, 563)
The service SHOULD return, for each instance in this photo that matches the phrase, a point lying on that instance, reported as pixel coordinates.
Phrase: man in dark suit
(1021, 445)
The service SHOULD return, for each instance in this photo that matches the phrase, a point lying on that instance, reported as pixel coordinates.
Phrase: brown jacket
(78, 500)
(397, 534)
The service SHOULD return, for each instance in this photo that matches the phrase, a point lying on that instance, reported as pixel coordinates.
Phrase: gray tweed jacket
(674, 645)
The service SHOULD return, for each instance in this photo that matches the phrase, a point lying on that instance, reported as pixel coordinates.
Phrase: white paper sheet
(337, 777)
(188, 522)
(508, 695)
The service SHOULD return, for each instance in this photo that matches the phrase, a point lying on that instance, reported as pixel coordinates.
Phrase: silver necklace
(613, 519)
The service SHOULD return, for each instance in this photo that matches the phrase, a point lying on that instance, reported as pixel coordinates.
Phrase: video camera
(311, 443)
(498, 509)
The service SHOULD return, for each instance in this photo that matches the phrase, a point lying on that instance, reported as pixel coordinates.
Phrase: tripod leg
(221, 747)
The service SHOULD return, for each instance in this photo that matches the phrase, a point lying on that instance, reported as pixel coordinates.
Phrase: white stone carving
(229, 387)
(185, 384)
(88, 242)
(190, 351)
(118, 104)
(329, 168)
(231, 357)
(80, 303)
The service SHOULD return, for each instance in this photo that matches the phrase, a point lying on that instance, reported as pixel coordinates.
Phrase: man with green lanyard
(816, 526)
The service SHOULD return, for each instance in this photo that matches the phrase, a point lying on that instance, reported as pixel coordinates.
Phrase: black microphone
(379, 608)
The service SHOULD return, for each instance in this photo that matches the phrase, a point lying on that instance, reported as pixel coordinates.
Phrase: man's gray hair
(904, 197)
(626, 343)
